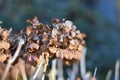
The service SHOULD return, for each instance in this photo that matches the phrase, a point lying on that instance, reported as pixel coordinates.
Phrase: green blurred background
(99, 19)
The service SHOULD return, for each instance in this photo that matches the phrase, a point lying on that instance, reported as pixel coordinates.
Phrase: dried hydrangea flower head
(60, 40)
(70, 40)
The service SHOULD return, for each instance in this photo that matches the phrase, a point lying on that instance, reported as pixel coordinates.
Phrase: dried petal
(68, 54)
(74, 42)
(53, 49)
(33, 47)
(5, 34)
(72, 47)
(3, 57)
(73, 34)
(54, 32)
(68, 24)
(29, 30)
(4, 45)
(80, 47)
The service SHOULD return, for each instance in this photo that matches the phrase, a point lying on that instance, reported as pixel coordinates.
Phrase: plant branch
(39, 66)
(117, 70)
(95, 73)
(45, 68)
(12, 59)
(22, 69)
(109, 75)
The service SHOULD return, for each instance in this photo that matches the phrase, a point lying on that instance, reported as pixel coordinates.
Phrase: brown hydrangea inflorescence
(59, 40)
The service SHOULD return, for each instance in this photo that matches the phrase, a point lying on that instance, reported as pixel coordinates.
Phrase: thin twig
(60, 70)
(22, 69)
(117, 70)
(109, 74)
(17, 71)
(72, 74)
(52, 74)
(95, 73)
(45, 68)
(12, 59)
(82, 64)
(38, 69)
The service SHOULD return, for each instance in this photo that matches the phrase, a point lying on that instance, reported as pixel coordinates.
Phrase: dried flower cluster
(4, 44)
(60, 40)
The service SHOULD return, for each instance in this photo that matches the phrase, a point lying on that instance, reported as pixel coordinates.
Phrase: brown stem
(12, 59)
(45, 68)
(39, 66)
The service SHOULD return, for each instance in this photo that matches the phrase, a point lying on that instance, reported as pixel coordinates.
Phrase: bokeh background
(99, 19)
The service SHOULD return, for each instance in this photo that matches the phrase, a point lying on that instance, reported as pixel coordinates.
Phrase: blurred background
(99, 19)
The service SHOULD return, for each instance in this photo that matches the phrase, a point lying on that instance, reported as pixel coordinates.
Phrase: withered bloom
(59, 40)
